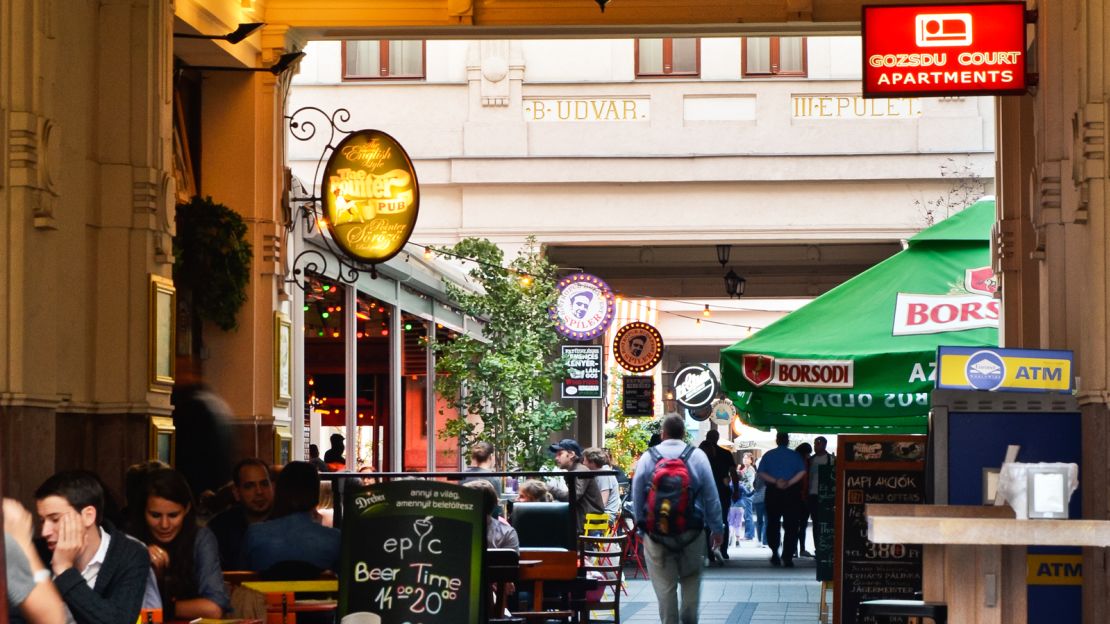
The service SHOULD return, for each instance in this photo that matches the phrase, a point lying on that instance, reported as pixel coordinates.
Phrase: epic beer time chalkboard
(413, 554)
(875, 469)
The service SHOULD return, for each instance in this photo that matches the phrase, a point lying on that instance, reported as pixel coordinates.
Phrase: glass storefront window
(447, 451)
(414, 398)
(325, 383)
(372, 322)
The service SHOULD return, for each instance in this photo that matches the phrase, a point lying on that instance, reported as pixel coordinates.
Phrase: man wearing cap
(587, 496)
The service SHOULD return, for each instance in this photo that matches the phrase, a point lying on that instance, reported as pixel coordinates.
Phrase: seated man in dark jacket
(101, 573)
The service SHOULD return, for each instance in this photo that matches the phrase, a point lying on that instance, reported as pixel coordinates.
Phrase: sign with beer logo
(949, 49)
(584, 308)
(638, 347)
(371, 197)
(413, 551)
(971, 307)
(761, 370)
(695, 386)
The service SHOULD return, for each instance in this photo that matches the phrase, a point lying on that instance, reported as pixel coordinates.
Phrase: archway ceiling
(332, 19)
(692, 271)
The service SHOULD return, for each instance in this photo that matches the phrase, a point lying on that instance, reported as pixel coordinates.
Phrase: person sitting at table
(533, 491)
(499, 534)
(185, 557)
(254, 499)
(292, 534)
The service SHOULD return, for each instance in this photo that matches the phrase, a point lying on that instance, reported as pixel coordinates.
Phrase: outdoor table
(975, 556)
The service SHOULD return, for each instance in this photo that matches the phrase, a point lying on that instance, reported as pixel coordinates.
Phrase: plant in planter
(212, 261)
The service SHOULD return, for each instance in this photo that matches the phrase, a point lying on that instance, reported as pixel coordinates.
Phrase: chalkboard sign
(875, 469)
(638, 395)
(824, 529)
(412, 553)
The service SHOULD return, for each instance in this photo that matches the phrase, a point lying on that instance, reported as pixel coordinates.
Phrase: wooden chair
(603, 558)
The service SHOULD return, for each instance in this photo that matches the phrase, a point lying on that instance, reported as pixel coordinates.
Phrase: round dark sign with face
(638, 347)
(695, 386)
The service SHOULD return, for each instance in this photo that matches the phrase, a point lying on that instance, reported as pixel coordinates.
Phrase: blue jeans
(761, 521)
(749, 521)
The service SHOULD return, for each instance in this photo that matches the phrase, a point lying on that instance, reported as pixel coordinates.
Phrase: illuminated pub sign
(948, 49)
(371, 197)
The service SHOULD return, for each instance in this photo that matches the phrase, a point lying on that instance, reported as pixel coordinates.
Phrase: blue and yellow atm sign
(1054, 570)
(1004, 370)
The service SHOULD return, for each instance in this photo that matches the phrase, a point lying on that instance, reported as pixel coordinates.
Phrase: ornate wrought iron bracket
(309, 211)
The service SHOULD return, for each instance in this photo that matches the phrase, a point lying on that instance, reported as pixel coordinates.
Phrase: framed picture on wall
(163, 333)
(283, 360)
(283, 446)
(162, 439)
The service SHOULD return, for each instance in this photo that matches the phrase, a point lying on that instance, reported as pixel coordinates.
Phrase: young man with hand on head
(100, 573)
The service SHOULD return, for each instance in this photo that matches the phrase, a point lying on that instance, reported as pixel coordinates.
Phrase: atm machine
(969, 432)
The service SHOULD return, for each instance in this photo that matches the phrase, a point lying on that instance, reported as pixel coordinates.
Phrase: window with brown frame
(668, 57)
(775, 56)
(377, 59)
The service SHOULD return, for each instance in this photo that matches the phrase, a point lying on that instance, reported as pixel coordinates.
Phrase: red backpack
(670, 508)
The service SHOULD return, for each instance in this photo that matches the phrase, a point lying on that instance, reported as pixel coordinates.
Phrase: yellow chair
(597, 522)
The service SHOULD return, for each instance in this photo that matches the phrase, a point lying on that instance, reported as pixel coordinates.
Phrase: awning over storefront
(861, 357)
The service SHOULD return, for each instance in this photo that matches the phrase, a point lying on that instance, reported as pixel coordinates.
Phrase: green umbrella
(862, 356)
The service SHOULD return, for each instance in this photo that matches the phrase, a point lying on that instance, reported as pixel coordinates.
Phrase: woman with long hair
(185, 557)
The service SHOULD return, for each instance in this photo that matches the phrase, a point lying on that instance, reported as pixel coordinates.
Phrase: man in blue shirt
(783, 470)
(680, 561)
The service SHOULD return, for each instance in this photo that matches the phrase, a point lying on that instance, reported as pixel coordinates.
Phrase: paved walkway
(745, 590)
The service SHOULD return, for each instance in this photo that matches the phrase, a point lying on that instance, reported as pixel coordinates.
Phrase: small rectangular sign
(584, 379)
(948, 49)
(638, 396)
(1004, 370)
(1054, 570)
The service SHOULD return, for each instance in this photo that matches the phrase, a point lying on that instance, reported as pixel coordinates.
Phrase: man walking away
(674, 499)
(723, 465)
(782, 469)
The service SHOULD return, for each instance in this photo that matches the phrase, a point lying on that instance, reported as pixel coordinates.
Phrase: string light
(705, 312)
(427, 253)
(525, 280)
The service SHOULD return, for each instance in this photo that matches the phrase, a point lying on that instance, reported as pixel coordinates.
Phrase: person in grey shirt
(32, 598)
(598, 459)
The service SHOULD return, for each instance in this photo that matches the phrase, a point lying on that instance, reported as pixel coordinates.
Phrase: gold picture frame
(283, 360)
(283, 446)
(163, 439)
(162, 333)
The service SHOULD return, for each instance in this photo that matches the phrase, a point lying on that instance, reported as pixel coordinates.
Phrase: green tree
(504, 382)
(628, 438)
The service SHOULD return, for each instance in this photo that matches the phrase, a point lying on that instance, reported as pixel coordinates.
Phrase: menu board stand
(413, 551)
(875, 469)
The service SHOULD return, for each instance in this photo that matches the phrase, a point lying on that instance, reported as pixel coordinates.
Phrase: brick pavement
(745, 590)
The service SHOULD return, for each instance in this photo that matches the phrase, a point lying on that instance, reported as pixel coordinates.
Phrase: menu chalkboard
(412, 553)
(875, 469)
(824, 525)
(638, 395)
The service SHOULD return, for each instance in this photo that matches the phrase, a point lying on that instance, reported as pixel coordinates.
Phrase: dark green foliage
(212, 260)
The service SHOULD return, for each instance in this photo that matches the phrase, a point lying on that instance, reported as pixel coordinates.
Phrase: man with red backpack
(675, 500)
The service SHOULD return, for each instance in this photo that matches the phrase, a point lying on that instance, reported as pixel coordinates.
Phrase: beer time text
(975, 49)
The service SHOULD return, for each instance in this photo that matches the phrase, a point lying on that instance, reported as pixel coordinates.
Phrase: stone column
(243, 168)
